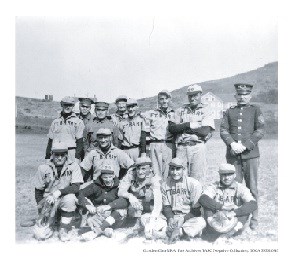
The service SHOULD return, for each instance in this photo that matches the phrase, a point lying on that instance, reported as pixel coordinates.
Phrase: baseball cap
(104, 131)
(107, 169)
(143, 161)
(68, 100)
(226, 168)
(86, 101)
(59, 147)
(176, 162)
(132, 102)
(121, 98)
(102, 105)
(165, 92)
(193, 89)
(243, 88)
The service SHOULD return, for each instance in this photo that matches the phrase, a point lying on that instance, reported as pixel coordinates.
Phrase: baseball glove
(221, 223)
(95, 221)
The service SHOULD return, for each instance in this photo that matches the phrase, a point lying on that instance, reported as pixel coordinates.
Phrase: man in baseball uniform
(160, 138)
(100, 199)
(67, 128)
(121, 113)
(104, 151)
(181, 203)
(132, 132)
(58, 181)
(241, 129)
(229, 196)
(142, 190)
(193, 124)
(101, 120)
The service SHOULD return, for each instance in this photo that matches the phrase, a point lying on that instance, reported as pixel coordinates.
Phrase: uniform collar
(232, 186)
(73, 114)
(169, 109)
(99, 182)
(125, 115)
(112, 147)
(187, 106)
(65, 166)
(100, 120)
(88, 116)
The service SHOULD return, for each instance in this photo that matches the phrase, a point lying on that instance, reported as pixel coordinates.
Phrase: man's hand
(56, 194)
(50, 199)
(101, 209)
(229, 207)
(237, 147)
(135, 203)
(172, 223)
(78, 161)
(91, 209)
(231, 214)
(194, 125)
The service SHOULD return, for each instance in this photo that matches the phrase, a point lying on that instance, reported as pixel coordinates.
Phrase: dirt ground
(30, 151)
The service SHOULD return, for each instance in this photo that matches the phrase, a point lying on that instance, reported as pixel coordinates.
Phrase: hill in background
(35, 115)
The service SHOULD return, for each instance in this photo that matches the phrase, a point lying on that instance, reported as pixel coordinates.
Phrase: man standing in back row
(193, 126)
(241, 128)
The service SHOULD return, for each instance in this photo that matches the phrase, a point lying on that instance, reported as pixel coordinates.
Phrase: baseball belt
(123, 147)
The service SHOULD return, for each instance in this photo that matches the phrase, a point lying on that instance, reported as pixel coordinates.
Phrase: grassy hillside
(35, 115)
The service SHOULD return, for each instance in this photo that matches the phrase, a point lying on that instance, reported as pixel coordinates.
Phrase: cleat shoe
(64, 235)
(88, 236)
(253, 225)
(108, 232)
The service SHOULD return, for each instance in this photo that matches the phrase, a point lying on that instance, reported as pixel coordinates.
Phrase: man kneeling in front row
(227, 204)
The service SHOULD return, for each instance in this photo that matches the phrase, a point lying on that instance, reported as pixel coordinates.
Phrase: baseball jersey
(116, 118)
(97, 159)
(47, 176)
(67, 131)
(86, 119)
(243, 124)
(148, 191)
(157, 124)
(130, 130)
(182, 195)
(97, 124)
(235, 194)
(201, 114)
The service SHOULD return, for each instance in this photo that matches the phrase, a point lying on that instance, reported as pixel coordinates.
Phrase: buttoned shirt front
(201, 115)
(157, 124)
(66, 130)
(117, 118)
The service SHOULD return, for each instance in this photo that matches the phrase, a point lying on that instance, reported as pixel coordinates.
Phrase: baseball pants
(161, 156)
(247, 170)
(194, 159)
(159, 225)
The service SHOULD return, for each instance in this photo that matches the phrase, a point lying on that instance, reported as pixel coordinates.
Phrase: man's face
(143, 171)
(101, 113)
(243, 99)
(84, 109)
(121, 106)
(132, 110)
(104, 141)
(176, 172)
(195, 99)
(108, 179)
(67, 108)
(59, 159)
(227, 179)
(163, 101)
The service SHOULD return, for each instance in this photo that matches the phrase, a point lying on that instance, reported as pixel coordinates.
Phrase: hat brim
(107, 172)
(226, 172)
(143, 163)
(175, 164)
(59, 151)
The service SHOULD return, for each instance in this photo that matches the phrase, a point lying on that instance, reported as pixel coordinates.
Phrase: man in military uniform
(101, 120)
(193, 125)
(86, 116)
(241, 128)
(132, 132)
(161, 140)
(121, 113)
(67, 128)
(105, 151)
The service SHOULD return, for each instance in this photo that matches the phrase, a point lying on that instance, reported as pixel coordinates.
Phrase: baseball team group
(146, 170)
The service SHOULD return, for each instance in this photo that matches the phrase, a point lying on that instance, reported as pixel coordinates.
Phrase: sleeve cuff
(249, 144)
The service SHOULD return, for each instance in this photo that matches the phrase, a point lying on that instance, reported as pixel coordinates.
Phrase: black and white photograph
(155, 131)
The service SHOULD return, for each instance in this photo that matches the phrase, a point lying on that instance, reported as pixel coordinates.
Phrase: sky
(137, 56)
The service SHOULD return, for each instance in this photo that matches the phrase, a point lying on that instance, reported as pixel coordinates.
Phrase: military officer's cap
(107, 169)
(143, 161)
(132, 102)
(102, 105)
(226, 168)
(121, 98)
(243, 89)
(104, 131)
(193, 89)
(86, 101)
(176, 162)
(59, 147)
(165, 92)
(68, 100)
